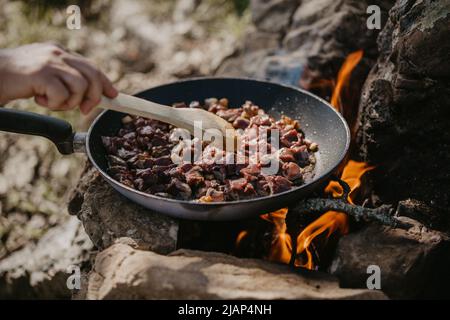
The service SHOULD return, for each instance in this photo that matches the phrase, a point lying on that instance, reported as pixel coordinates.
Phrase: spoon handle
(144, 108)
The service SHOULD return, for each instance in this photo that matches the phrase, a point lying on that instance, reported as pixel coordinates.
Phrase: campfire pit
(366, 220)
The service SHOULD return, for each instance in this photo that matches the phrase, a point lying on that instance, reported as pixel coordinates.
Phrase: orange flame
(343, 78)
(331, 221)
(281, 246)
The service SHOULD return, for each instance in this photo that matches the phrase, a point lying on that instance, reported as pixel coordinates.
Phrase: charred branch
(382, 214)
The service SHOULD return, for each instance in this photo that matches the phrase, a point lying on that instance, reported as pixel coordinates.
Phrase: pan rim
(222, 203)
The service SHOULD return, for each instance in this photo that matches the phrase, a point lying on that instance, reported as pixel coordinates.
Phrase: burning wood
(335, 219)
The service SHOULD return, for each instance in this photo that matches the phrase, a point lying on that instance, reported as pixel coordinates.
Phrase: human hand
(57, 79)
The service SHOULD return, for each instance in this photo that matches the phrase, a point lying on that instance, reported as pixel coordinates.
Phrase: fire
(281, 246)
(343, 79)
(331, 221)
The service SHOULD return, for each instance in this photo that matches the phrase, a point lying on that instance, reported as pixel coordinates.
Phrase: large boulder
(413, 263)
(404, 108)
(121, 272)
(108, 216)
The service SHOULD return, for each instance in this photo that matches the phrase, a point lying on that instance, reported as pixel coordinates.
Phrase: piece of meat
(216, 196)
(292, 171)
(286, 155)
(194, 176)
(241, 123)
(148, 176)
(140, 156)
(179, 189)
(278, 184)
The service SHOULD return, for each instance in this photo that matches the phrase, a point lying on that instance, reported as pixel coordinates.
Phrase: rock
(34, 181)
(310, 35)
(423, 213)
(414, 263)
(41, 270)
(404, 109)
(121, 272)
(272, 15)
(108, 216)
(182, 42)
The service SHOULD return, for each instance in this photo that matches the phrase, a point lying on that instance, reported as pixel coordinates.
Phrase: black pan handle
(58, 131)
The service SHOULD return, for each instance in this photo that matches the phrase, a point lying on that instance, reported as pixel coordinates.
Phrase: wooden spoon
(179, 117)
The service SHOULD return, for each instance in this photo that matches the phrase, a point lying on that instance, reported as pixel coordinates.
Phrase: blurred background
(138, 44)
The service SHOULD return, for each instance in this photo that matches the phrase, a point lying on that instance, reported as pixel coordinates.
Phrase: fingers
(76, 84)
(62, 80)
(98, 83)
(108, 88)
(55, 94)
(92, 75)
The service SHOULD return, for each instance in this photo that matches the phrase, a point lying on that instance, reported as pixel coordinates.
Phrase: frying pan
(320, 122)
